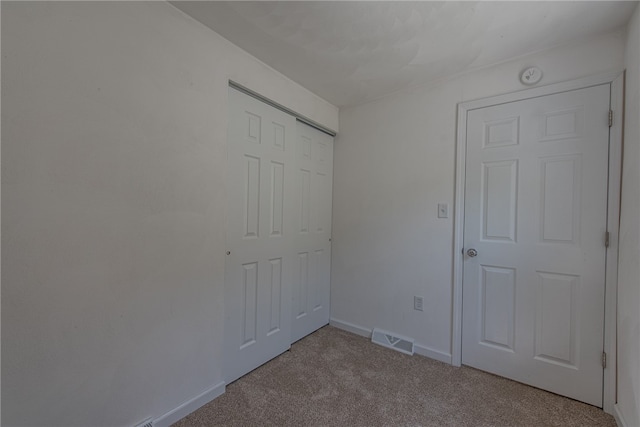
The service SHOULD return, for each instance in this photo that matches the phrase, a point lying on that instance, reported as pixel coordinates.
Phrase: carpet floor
(335, 378)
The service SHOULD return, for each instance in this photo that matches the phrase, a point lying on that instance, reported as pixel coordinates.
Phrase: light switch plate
(443, 210)
(418, 303)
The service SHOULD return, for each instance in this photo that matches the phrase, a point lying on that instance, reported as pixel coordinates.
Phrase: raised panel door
(261, 223)
(314, 171)
(536, 212)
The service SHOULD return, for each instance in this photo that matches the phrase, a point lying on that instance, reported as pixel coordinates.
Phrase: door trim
(616, 80)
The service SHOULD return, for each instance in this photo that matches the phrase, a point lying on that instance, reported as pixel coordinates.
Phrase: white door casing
(312, 271)
(536, 212)
(260, 234)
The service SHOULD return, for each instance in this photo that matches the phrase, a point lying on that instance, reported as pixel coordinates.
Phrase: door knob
(472, 253)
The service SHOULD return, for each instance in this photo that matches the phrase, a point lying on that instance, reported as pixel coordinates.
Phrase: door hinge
(610, 118)
(606, 239)
(604, 360)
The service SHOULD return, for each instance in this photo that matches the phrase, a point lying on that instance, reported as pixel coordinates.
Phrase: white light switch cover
(443, 210)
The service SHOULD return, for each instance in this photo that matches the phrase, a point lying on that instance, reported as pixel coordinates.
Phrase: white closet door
(260, 234)
(312, 265)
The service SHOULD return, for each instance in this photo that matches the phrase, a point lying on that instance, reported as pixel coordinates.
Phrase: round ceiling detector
(531, 75)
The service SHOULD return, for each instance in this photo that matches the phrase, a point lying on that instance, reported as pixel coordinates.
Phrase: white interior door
(536, 213)
(260, 233)
(312, 272)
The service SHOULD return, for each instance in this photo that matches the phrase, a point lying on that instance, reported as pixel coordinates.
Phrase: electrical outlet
(418, 303)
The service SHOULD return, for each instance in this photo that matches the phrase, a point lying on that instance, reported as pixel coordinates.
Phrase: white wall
(113, 193)
(629, 258)
(394, 162)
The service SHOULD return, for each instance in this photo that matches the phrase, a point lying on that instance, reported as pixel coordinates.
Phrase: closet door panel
(312, 241)
(261, 225)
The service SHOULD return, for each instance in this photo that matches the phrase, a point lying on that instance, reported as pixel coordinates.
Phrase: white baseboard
(432, 354)
(419, 349)
(350, 327)
(618, 416)
(189, 406)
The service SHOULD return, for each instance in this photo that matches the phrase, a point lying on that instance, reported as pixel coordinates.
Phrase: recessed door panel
(500, 196)
(318, 279)
(304, 147)
(561, 199)
(500, 133)
(252, 197)
(320, 200)
(253, 127)
(497, 311)
(304, 201)
(278, 136)
(303, 284)
(557, 318)
(275, 314)
(250, 304)
(277, 198)
(563, 124)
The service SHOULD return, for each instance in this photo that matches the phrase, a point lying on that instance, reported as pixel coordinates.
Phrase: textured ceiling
(352, 52)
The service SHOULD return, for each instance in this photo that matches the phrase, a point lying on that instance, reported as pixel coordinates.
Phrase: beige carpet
(335, 378)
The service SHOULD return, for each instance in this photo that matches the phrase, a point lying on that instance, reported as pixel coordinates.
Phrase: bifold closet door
(312, 256)
(260, 234)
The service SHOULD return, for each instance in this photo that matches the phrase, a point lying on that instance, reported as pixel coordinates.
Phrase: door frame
(616, 79)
